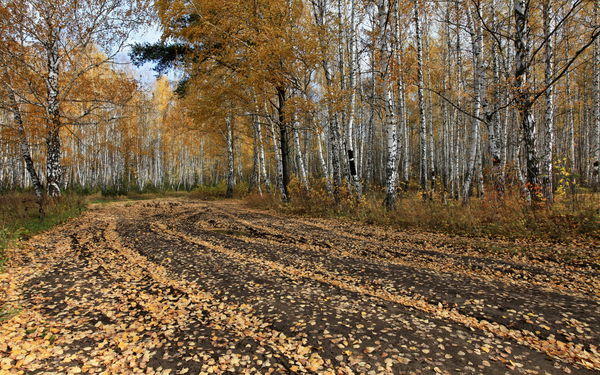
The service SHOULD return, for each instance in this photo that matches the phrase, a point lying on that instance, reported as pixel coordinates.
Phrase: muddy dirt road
(175, 287)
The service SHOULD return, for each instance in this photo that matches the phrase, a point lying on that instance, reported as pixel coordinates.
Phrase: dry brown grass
(509, 217)
(20, 217)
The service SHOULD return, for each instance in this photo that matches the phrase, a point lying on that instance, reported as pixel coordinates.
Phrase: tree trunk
(299, 159)
(421, 84)
(53, 148)
(261, 152)
(549, 105)
(201, 166)
(230, 158)
(391, 169)
(319, 11)
(523, 98)
(255, 180)
(279, 166)
(403, 136)
(570, 122)
(26, 153)
(284, 143)
(350, 149)
(596, 90)
(494, 131)
(25, 149)
(478, 75)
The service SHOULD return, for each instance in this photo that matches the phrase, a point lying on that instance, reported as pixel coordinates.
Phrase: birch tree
(548, 166)
(596, 90)
(230, 156)
(54, 32)
(424, 167)
(344, 91)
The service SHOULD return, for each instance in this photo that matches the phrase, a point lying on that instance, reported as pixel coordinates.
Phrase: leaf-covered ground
(176, 287)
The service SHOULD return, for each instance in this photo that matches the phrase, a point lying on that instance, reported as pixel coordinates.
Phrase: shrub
(506, 217)
(219, 191)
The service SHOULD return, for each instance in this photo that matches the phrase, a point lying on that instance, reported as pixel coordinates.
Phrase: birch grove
(456, 100)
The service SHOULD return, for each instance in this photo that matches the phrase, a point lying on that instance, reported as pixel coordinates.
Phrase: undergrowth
(218, 191)
(509, 217)
(20, 218)
(568, 220)
(201, 192)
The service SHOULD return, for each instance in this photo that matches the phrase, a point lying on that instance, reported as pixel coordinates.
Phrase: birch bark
(549, 104)
(478, 75)
(230, 157)
(278, 162)
(523, 96)
(391, 169)
(424, 168)
(255, 181)
(493, 118)
(299, 159)
(351, 116)
(596, 91)
(26, 151)
(53, 148)
(262, 161)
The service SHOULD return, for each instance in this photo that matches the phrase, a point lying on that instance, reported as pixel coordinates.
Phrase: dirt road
(173, 286)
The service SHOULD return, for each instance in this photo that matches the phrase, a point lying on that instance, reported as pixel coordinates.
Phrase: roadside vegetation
(20, 217)
(572, 219)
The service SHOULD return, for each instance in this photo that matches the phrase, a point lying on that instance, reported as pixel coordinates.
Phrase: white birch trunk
(478, 75)
(230, 157)
(53, 147)
(351, 116)
(299, 158)
(255, 181)
(278, 162)
(424, 167)
(26, 150)
(392, 153)
(523, 95)
(549, 104)
(261, 150)
(494, 132)
(596, 91)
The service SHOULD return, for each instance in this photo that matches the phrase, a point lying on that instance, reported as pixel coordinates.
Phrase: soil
(178, 286)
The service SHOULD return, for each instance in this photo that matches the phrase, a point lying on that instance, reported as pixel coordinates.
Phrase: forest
(454, 99)
(299, 181)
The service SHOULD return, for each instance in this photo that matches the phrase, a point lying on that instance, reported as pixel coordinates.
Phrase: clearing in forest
(176, 286)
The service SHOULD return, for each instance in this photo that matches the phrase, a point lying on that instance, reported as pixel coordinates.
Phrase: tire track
(574, 281)
(568, 318)
(568, 352)
(236, 319)
(126, 289)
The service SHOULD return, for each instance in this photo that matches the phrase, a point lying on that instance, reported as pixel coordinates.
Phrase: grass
(135, 196)
(20, 219)
(507, 218)
(206, 192)
(568, 220)
(219, 191)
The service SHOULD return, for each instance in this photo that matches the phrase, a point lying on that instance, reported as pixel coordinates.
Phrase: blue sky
(143, 74)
